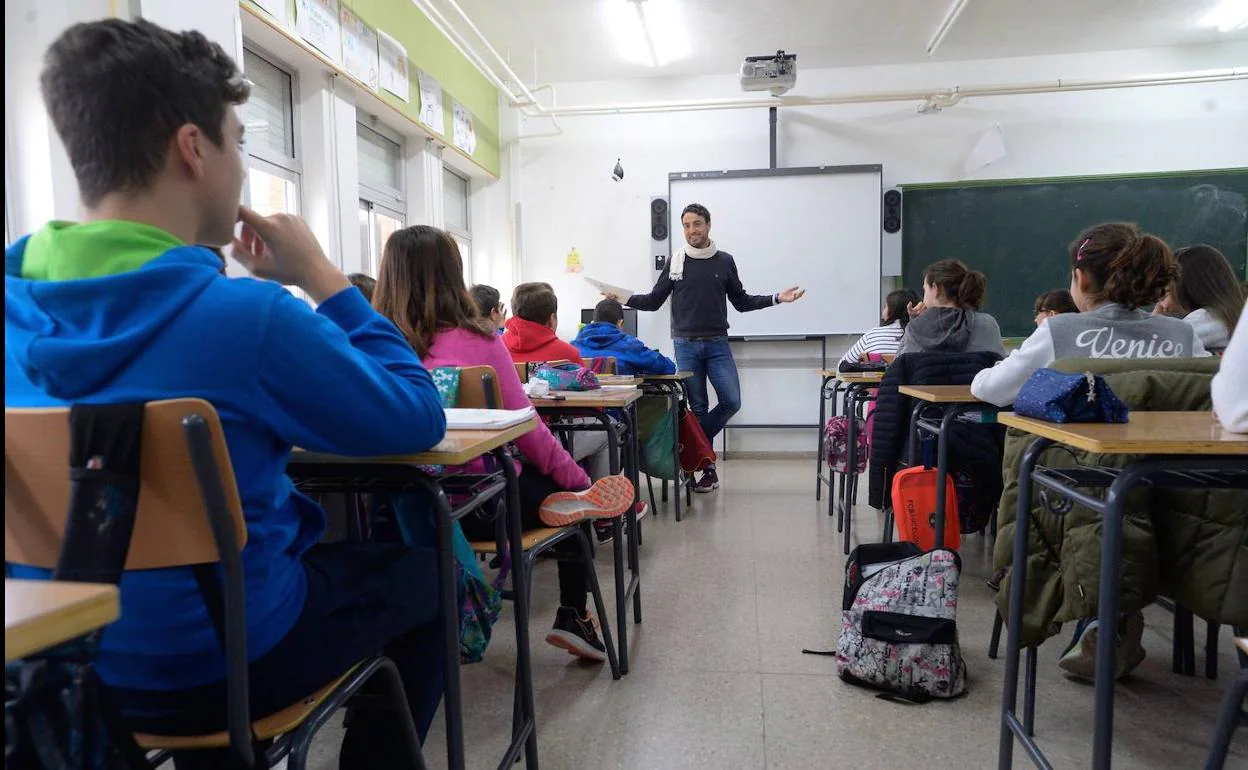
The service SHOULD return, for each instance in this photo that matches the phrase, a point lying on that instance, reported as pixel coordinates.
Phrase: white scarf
(676, 268)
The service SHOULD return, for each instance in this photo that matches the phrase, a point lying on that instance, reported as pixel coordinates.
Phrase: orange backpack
(914, 507)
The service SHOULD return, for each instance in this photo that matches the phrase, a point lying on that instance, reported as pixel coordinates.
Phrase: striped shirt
(884, 340)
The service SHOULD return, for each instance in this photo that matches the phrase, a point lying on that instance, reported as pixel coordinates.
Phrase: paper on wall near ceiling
(316, 21)
(359, 48)
(394, 68)
(431, 103)
(464, 134)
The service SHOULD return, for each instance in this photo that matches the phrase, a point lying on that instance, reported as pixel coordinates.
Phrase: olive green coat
(1189, 545)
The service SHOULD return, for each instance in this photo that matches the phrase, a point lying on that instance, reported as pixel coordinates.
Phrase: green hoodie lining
(66, 251)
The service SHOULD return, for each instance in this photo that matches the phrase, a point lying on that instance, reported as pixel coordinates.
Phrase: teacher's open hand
(792, 294)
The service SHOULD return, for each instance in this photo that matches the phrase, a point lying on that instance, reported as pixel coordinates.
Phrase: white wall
(568, 198)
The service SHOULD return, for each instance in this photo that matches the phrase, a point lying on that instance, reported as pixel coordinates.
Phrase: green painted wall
(428, 50)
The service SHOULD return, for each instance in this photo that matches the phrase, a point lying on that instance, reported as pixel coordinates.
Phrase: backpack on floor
(696, 452)
(899, 631)
(836, 443)
(914, 506)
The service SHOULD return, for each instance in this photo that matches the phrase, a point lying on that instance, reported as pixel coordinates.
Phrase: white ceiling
(572, 40)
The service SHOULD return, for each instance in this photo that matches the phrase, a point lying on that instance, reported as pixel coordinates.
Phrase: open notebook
(487, 419)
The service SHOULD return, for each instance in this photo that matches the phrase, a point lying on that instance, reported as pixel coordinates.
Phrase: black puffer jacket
(890, 434)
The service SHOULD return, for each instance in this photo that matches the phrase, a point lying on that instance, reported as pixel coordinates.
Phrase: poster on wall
(277, 9)
(394, 66)
(316, 21)
(431, 103)
(463, 133)
(359, 48)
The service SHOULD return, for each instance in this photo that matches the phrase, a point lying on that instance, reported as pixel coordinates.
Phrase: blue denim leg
(721, 368)
(691, 358)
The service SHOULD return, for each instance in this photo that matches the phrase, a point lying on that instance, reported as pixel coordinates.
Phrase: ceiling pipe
(946, 24)
(529, 99)
(457, 40)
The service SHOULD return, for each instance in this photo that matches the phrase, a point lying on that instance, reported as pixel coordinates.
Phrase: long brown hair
(420, 287)
(960, 285)
(1207, 280)
(1127, 266)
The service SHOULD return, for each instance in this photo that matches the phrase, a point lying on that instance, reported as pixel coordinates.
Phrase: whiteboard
(818, 228)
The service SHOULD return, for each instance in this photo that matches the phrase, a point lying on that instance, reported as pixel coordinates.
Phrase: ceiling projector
(776, 74)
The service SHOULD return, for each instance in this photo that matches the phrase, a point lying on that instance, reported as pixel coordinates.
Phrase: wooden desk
(1170, 433)
(859, 378)
(940, 394)
(1173, 450)
(39, 614)
(589, 399)
(458, 448)
(677, 377)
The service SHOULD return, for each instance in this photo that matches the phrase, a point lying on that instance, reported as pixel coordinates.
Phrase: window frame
(266, 160)
(466, 232)
(372, 208)
(384, 196)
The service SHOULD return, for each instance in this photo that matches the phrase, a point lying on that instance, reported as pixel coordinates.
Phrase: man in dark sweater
(701, 280)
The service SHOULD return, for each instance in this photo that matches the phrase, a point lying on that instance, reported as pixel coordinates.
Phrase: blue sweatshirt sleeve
(650, 361)
(344, 380)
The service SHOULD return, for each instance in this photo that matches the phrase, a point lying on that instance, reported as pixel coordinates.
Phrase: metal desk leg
(942, 472)
(617, 551)
(1010, 725)
(675, 402)
(846, 512)
(519, 583)
(823, 417)
(835, 478)
(634, 526)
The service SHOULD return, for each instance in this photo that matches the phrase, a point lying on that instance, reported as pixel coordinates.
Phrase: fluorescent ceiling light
(1227, 16)
(649, 32)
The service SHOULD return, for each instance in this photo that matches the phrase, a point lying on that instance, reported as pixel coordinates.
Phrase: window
(273, 167)
(382, 201)
(455, 215)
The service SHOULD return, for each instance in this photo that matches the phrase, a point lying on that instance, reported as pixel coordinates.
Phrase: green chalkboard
(1018, 231)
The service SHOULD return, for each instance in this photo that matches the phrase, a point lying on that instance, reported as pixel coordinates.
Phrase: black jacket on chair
(890, 433)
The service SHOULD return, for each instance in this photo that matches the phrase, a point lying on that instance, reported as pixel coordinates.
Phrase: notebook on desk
(487, 419)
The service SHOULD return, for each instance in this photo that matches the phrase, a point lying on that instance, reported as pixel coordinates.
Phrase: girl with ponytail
(948, 319)
(1116, 271)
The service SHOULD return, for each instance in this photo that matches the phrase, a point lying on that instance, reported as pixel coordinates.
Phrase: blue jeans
(710, 359)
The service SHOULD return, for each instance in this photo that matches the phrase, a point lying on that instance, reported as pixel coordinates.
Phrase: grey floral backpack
(899, 631)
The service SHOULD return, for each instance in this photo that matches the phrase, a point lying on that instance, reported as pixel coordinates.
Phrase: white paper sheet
(277, 9)
(431, 103)
(316, 21)
(394, 66)
(606, 288)
(359, 48)
(475, 419)
(463, 133)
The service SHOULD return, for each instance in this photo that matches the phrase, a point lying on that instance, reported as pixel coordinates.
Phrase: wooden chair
(478, 389)
(188, 515)
(609, 365)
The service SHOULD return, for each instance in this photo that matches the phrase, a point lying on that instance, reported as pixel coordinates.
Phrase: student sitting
(1206, 294)
(1230, 394)
(1053, 303)
(885, 339)
(530, 332)
(365, 283)
(121, 308)
(948, 319)
(1116, 270)
(605, 337)
(490, 304)
(421, 289)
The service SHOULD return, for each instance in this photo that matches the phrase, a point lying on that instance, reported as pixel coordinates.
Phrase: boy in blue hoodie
(606, 337)
(124, 307)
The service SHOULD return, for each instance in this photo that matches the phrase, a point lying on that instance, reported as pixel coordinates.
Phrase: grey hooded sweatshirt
(952, 330)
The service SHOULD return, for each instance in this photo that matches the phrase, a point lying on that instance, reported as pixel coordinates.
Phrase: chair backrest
(478, 388)
(602, 365)
(171, 527)
(522, 371)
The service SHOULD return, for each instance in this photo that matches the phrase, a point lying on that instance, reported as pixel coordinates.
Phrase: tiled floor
(730, 597)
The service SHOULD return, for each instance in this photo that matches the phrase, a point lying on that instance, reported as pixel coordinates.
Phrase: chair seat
(532, 539)
(271, 726)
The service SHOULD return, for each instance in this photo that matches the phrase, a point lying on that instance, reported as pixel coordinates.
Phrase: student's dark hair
(697, 209)
(534, 302)
(1056, 301)
(961, 285)
(365, 283)
(421, 287)
(1126, 266)
(486, 297)
(1207, 280)
(898, 302)
(608, 311)
(118, 91)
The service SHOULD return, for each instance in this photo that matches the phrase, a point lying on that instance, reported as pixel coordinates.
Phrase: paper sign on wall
(394, 67)
(277, 9)
(359, 48)
(463, 133)
(431, 103)
(573, 264)
(316, 21)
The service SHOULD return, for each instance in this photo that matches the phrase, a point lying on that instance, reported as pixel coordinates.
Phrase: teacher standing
(701, 279)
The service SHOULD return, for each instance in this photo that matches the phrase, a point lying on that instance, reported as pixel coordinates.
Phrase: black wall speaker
(892, 211)
(659, 231)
